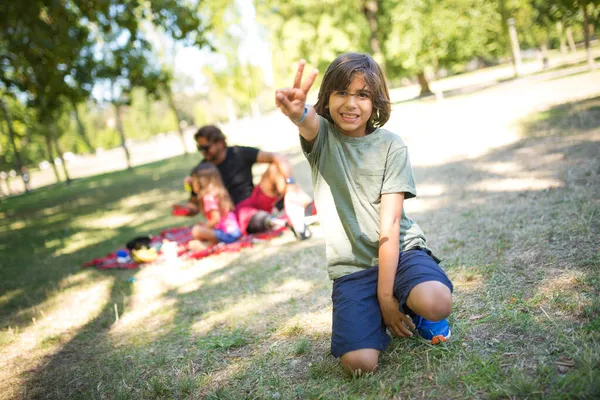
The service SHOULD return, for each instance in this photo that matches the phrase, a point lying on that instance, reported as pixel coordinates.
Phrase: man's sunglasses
(204, 148)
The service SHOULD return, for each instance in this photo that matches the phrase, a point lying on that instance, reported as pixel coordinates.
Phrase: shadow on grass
(37, 228)
(499, 249)
(565, 119)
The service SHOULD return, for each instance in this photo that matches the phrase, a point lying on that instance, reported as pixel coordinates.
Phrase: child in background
(384, 275)
(216, 205)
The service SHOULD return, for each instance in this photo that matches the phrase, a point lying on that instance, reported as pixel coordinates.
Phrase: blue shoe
(435, 332)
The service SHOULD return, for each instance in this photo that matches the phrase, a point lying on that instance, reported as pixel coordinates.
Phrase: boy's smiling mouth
(350, 117)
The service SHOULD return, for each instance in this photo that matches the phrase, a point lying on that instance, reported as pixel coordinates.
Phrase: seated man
(253, 205)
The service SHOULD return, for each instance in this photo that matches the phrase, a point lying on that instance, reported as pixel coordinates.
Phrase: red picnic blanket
(182, 236)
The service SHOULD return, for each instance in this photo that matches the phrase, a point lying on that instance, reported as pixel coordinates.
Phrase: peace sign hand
(291, 101)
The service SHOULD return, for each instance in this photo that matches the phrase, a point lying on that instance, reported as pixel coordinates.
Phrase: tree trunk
(7, 181)
(570, 39)
(563, 40)
(544, 54)
(51, 157)
(514, 45)
(370, 9)
(60, 155)
(122, 133)
(586, 35)
(11, 135)
(425, 89)
(81, 129)
(505, 42)
(177, 118)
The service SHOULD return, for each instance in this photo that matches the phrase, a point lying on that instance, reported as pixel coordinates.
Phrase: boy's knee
(431, 300)
(437, 310)
(361, 361)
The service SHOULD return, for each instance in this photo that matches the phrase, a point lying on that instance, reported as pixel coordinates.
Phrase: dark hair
(211, 133)
(209, 180)
(339, 75)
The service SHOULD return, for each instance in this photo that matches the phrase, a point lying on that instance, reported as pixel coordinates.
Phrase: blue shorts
(357, 320)
(227, 237)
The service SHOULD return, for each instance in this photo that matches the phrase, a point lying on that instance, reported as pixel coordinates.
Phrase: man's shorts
(357, 320)
(227, 238)
(258, 201)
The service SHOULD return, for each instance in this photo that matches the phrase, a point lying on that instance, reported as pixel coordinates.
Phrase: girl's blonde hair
(338, 77)
(209, 181)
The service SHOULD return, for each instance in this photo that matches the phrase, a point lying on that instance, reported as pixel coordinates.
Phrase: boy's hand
(291, 101)
(396, 321)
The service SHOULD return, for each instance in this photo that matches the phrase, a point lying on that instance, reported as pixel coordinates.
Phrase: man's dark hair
(339, 75)
(211, 133)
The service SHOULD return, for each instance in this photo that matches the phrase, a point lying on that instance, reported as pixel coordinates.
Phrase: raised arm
(292, 102)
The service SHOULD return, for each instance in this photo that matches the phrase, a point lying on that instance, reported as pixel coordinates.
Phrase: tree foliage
(52, 53)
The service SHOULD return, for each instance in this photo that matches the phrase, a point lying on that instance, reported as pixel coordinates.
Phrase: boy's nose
(350, 100)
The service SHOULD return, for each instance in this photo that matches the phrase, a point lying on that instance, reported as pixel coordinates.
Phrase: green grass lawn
(518, 231)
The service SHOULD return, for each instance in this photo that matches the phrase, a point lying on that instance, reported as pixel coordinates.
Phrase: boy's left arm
(390, 214)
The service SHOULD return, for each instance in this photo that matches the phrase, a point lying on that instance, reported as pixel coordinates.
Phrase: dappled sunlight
(465, 279)
(499, 167)
(260, 251)
(514, 184)
(218, 378)
(8, 296)
(565, 281)
(17, 225)
(562, 294)
(314, 323)
(137, 200)
(59, 319)
(424, 204)
(79, 241)
(153, 304)
(430, 190)
(244, 310)
(50, 211)
(111, 221)
(149, 316)
(83, 276)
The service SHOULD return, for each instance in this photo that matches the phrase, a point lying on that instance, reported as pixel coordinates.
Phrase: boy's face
(351, 108)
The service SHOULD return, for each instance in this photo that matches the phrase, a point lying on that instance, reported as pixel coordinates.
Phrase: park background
(497, 100)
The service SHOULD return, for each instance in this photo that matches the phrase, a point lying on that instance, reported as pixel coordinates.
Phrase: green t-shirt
(349, 175)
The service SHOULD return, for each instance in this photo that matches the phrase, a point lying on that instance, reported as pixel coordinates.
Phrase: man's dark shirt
(236, 171)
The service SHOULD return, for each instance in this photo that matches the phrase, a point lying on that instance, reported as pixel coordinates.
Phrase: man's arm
(389, 251)
(292, 102)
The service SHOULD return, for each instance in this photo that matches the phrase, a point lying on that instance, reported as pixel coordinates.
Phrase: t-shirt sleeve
(398, 176)
(210, 203)
(312, 153)
(248, 154)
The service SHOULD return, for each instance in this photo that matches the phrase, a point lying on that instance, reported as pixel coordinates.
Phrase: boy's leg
(360, 361)
(358, 332)
(431, 300)
(425, 293)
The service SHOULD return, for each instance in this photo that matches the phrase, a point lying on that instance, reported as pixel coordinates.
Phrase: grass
(524, 261)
